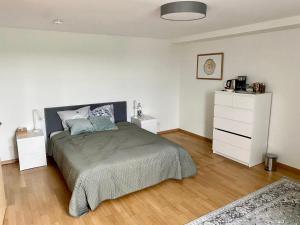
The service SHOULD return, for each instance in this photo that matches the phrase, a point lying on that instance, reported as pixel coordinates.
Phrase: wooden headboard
(53, 122)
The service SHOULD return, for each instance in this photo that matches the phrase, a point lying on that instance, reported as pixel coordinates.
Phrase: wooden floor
(40, 196)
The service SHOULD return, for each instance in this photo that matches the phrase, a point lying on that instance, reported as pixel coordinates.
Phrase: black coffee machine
(240, 83)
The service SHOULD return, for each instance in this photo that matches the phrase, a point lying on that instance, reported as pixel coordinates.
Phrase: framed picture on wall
(210, 66)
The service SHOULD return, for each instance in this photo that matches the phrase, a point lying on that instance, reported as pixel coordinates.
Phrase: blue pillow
(101, 123)
(79, 126)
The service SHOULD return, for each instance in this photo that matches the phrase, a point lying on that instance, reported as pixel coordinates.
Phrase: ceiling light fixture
(183, 11)
(58, 21)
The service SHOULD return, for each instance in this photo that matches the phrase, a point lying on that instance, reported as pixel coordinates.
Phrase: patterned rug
(277, 203)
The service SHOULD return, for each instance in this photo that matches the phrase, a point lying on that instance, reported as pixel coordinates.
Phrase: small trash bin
(270, 162)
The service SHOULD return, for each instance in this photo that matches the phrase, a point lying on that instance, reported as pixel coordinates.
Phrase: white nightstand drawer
(32, 161)
(152, 127)
(31, 145)
(146, 122)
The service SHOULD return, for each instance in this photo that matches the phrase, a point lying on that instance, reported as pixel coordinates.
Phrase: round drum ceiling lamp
(183, 11)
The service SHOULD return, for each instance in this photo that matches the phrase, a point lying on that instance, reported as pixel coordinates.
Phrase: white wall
(272, 58)
(43, 69)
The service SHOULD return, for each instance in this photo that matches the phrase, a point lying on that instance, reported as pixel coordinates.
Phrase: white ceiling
(137, 17)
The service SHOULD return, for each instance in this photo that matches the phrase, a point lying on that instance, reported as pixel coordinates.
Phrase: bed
(105, 165)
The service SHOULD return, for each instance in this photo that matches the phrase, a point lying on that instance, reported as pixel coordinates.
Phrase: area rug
(277, 203)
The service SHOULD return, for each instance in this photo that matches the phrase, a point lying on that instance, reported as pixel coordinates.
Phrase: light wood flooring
(40, 196)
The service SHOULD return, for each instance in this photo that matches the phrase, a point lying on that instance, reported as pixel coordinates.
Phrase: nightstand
(146, 122)
(31, 149)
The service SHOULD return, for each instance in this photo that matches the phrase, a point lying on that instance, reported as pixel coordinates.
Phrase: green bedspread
(108, 164)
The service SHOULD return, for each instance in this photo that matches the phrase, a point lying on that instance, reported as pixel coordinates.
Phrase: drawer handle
(233, 133)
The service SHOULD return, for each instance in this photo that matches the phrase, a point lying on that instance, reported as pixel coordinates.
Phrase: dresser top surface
(243, 93)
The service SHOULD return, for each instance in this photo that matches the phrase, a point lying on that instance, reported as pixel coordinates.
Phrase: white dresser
(148, 123)
(31, 150)
(241, 126)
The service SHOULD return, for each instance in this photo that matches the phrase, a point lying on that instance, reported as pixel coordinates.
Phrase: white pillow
(73, 114)
(55, 133)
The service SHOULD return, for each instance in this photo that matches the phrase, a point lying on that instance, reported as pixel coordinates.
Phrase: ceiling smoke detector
(58, 21)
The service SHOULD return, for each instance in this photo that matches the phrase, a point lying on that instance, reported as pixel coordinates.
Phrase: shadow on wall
(208, 115)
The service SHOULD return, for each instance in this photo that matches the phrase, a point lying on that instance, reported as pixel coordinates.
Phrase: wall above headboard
(42, 69)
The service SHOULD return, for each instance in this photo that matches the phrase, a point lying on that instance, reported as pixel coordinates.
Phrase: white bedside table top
(144, 117)
(30, 134)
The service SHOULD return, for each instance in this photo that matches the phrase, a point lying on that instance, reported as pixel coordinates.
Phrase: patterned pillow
(105, 110)
(101, 123)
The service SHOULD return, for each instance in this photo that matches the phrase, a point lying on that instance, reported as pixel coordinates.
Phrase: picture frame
(210, 66)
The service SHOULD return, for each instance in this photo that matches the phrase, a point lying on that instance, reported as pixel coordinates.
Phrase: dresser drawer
(237, 127)
(243, 101)
(236, 114)
(230, 151)
(223, 99)
(28, 161)
(232, 139)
